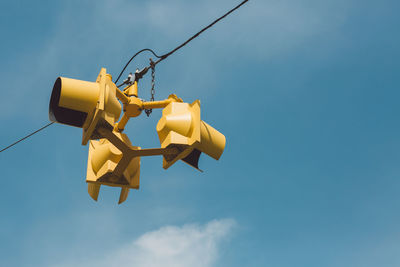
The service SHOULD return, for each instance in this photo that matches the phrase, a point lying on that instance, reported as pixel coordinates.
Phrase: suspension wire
(162, 57)
(200, 32)
(152, 65)
(29, 135)
(126, 65)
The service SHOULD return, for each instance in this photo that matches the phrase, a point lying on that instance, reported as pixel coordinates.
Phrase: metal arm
(129, 153)
(133, 105)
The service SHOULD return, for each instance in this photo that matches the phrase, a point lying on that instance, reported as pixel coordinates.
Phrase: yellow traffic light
(103, 160)
(180, 127)
(85, 104)
(112, 160)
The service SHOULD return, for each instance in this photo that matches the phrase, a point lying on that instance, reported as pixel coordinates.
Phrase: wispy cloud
(191, 245)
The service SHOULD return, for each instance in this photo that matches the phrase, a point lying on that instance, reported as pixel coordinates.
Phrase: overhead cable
(29, 135)
(161, 58)
(143, 71)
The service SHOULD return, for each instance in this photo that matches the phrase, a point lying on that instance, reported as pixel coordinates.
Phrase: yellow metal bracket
(129, 152)
(133, 106)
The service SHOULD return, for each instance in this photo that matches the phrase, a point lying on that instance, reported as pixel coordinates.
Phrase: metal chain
(153, 79)
(152, 91)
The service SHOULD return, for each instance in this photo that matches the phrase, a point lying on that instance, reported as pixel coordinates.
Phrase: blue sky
(306, 93)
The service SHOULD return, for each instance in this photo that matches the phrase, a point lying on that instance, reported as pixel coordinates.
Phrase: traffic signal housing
(181, 127)
(86, 105)
(103, 160)
(112, 160)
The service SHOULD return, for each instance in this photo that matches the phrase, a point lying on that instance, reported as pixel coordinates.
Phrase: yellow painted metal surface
(132, 90)
(212, 142)
(107, 110)
(161, 104)
(112, 159)
(85, 104)
(181, 126)
(79, 95)
(133, 107)
(102, 161)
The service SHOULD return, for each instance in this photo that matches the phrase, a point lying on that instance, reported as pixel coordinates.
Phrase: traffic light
(112, 160)
(87, 105)
(181, 127)
(103, 160)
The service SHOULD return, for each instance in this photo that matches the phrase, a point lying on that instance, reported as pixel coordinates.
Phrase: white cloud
(191, 245)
